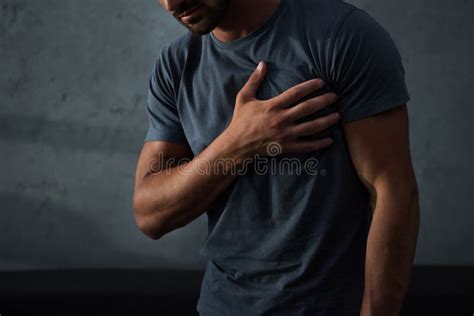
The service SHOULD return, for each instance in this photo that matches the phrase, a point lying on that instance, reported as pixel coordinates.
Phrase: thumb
(249, 90)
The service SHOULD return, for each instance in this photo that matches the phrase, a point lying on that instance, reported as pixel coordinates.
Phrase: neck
(243, 17)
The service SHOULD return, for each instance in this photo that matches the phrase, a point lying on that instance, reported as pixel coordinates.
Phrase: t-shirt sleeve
(368, 75)
(162, 111)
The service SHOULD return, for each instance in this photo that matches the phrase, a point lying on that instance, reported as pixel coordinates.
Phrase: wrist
(231, 146)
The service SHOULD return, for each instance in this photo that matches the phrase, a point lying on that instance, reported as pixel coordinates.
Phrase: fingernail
(260, 66)
(318, 83)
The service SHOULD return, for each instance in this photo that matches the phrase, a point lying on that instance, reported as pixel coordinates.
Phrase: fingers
(307, 145)
(310, 106)
(297, 92)
(249, 90)
(316, 125)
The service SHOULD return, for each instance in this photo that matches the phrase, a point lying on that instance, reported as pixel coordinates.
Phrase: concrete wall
(73, 82)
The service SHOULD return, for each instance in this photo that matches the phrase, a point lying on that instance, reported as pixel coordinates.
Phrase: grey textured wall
(73, 81)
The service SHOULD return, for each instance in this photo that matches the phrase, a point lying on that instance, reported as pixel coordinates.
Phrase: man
(337, 238)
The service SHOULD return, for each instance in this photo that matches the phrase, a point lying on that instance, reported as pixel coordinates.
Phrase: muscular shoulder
(319, 17)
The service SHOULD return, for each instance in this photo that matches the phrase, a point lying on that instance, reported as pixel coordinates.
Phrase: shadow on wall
(41, 233)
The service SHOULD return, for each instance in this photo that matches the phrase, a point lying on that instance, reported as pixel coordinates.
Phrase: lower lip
(189, 16)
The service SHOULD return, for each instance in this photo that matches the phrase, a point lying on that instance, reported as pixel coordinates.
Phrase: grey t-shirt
(289, 241)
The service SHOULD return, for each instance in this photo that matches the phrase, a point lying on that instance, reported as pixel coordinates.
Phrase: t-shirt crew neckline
(240, 41)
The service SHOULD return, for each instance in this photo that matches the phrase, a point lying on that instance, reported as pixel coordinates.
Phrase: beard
(209, 16)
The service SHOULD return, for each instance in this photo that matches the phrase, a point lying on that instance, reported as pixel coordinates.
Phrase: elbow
(149, 229)
(401, 191)
(147, 222)
(158, 219)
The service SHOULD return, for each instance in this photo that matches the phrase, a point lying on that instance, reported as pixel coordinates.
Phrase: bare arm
(170, 199)
(379, 147)
(167, 200)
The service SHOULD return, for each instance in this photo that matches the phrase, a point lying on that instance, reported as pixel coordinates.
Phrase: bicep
(379, 148)
(156, 155)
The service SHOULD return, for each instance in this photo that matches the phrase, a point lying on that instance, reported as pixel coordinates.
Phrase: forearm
(391, 248)
(174, 197)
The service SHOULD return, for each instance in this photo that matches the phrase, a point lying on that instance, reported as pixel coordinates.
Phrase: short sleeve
(163, 116)
(367, 75)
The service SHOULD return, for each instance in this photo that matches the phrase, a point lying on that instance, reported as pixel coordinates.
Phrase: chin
(202, 27)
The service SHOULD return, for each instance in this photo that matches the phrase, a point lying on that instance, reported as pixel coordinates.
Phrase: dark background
(73, 84)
